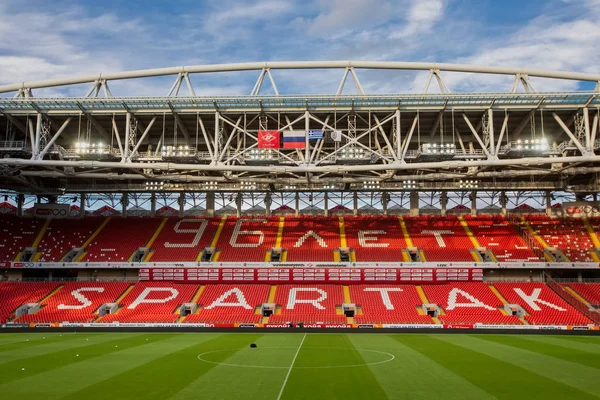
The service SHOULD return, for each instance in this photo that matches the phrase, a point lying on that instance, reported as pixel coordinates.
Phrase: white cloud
(422, 16)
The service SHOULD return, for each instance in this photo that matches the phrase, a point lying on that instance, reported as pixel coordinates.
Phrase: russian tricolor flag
(294, 139)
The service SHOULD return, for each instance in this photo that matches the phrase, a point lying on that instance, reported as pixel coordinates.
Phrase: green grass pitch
(297, 366)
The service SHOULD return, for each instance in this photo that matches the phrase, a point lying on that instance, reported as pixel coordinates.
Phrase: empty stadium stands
(387, 304)
(17, 234)
(589, 291)
(468, 303)
(181, 239)
(119, 238)
(568, 234)
(247, 239)
(441, 238)
(310, 238)
(375, 238)
(153, 302)
(13, 295)
(63, 235)
(543, 305)
(498, 235)
(308, 304)
(76, 302)
(160, 302)
(230, 304)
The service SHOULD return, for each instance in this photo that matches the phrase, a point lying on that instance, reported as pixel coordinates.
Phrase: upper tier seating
(230, 304)
(589, 291)
(76, 302)
(16, 234)
(63, 235)
(567, 234)
(310, 238)
(544, 306)
(451, 242)
(181, 239)
(255, 236)
(14, 295)
(498, 235)
(468, 303)
(153, 302)
(118, 240)
(389, 241)
(401, 309)
(308, 304)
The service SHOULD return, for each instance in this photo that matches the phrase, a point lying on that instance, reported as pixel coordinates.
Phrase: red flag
(268, 139)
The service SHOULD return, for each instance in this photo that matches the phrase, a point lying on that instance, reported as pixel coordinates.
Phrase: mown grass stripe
(51, 346)
(29, 341)
(35, 365)
(333, 383)
(561, 352)
(412, 375)
(571, 344)
(71, 378)
(499, 378)
(273, 350)
(164, 376)
(551, 372)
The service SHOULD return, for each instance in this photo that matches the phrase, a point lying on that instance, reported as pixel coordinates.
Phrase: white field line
(290, 369)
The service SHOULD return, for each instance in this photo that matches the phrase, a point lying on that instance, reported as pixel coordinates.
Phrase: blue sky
(42, 40)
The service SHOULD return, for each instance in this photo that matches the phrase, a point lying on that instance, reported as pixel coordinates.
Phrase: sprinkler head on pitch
(252, 345)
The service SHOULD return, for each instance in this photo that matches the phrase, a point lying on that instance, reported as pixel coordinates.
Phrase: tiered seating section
(308, 304)
(306, 238)
(63, 235)
(568, 235)
(361, 232)
(76, 302)
(441, 238)
(229, 304)
(589, 291)
(181, 239)
(247, 239)
(499, 236)
(159, 302)
(14, 295)
(401, 309)
(16, 234)
(118, 240)
(468, 303)
(544, 306)
(153, 302)
(311, 238)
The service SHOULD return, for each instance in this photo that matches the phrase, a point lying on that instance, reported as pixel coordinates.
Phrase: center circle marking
(391, 358)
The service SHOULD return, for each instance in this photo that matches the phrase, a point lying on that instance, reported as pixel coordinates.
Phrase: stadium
(147, 242)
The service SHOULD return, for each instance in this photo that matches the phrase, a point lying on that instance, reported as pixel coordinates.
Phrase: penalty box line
(290, 369)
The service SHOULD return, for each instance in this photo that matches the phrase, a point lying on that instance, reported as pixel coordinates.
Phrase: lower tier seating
(387, 304)
(543, 305)
(468, 303)
(142, 302)
(76, 302)
(589, 291)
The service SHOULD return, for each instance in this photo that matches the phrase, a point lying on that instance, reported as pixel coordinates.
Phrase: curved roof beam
(390, 65)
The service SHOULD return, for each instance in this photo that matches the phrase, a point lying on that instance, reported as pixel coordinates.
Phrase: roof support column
(20, 202)
(355, 204)
(181, 204)
(210, 204)
(548, 203)
(444, 203)
(503, 201)
(297, 206)
(491, 131)
(124, 204)
(82, 197)
(326, 205)
(153, 204)
(473, 203)
(414, 204)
